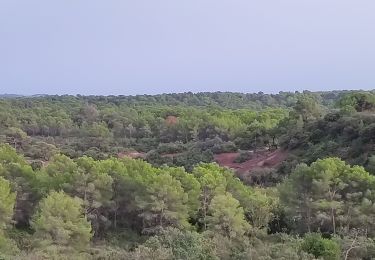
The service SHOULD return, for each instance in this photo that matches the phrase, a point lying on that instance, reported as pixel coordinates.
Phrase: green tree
(60, 221)
(165, 204)
(190, 185)
(227, 217)
(131, 179)
(23, 181)
(257, 204)
(59, 173)
(371, 164)
(330, 194)
(212, 181)
(357, 101)
(7, 201)
(94, 187)
(15, 136)
(308, 107)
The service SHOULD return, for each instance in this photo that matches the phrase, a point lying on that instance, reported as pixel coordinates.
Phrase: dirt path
(264, 159)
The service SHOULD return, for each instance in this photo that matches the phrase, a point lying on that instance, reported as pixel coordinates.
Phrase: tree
(7, 201)
(41, 150)
(85, 179)
(165, 204)
(212, 181)
(58, 174)
(357, 101)
(330, 194)
(23, 181)
(131, 178)
(355, 244)
(16, 136)
(89, 113)
(94, 187)
(257, 205)
(371, 164)
(227, 217)
(308, 107)
(60, 221)
(190, 185)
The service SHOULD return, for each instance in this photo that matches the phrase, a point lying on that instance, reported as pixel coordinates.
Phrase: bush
(225, 147)
(8, 247)
(192, 157)
(244, 156)
(165, 148)
(156, 159)
(327, 249)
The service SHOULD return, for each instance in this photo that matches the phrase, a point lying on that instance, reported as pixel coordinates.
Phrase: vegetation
(71, 188)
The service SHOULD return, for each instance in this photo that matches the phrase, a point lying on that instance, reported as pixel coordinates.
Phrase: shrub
(244, 156)
(327, 249)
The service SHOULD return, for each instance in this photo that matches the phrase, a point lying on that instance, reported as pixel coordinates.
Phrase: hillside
(188, 176)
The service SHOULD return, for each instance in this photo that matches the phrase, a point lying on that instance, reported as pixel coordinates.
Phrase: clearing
(262, 159)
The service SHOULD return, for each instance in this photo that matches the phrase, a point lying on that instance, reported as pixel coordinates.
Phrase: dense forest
(148, 177)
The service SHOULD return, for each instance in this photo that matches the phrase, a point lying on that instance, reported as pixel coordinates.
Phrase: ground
(262, 159)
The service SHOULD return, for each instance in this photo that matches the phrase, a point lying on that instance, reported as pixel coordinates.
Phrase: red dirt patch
(171, 120)
(266, 159)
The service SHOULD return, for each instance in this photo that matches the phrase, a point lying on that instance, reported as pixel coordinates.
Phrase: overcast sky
(156, 46)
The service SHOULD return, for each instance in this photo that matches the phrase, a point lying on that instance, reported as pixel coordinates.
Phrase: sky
(128, 47)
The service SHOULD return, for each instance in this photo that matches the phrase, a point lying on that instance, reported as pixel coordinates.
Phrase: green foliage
(190, 185)
(7, 201)
(152, 249)
(165, 204)
(8, 247)
(8, 155)
(15, 169)
(308, 107)
(90, 203)
(94, 187)
(243, 157)
(227, 217)
(184, 245)
(357, 101)
(94, 126)
(371, 164)
(330, 194)
(327, 249)
(59, 173)
(54, 252)
(60, 221)
(348, 136)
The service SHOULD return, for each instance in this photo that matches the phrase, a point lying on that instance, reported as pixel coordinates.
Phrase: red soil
(266, 159)
(171, 120)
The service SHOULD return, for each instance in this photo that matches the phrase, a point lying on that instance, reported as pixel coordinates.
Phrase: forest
(188, 176)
